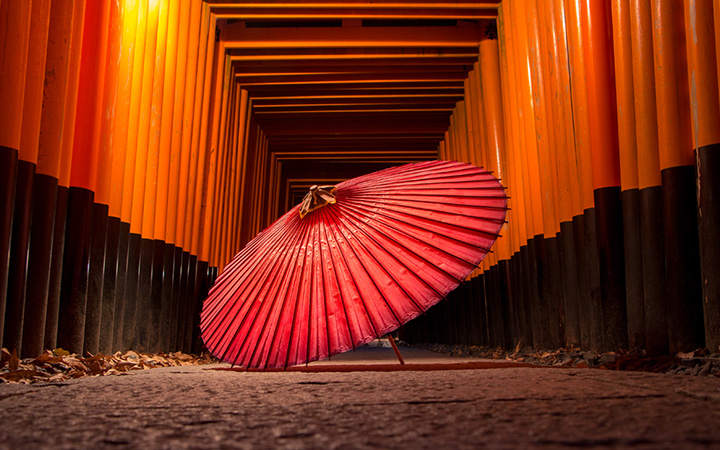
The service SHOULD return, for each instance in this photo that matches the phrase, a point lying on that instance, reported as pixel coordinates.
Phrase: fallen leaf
(60, 352)
(18, 375)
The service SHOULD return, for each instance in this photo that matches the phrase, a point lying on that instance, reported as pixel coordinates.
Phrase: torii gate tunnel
(144, 142)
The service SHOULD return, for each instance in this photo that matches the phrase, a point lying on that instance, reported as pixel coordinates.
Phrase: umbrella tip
(318, 197)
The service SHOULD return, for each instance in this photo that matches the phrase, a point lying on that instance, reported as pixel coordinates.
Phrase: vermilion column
(120, 154)
(470, 124)
(68, 135)
(169, 295)
(494, 132)
(584, 226)
(27, 160)
(144, 334)
(48, 234)
(187, 124)
(211, 198)
(135, 83)
(197, 166)
(630, 196)
(544, 107)
(705, 115)
(222, 166)
(677, 165)
(174, 134)
(526, 151)
(599, 69)
(83, 174)
(568, 185)
(107, 246)
(14, 33)
(98, 237)
(512, 179)
(650, 195)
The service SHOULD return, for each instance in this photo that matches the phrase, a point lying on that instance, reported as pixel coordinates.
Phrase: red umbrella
(353, 263)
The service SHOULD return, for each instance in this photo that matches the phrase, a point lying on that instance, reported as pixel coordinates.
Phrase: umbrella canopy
(353, 263)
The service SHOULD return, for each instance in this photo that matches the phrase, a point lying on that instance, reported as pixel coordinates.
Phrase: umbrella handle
(397, 352)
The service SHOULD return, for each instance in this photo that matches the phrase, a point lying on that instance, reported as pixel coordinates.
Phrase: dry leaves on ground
(60, 365)
(697, 362)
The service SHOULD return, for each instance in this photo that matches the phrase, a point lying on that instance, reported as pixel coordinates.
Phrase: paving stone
(195, 407)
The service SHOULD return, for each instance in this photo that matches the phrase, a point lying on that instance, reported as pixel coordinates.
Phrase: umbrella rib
(371, 278)
(290, 257)
(389, 273)
(474, 230)
(240, 277)
(362, 300)
(248, 301)
(297, 301)
(426, 243)
(296, 257)
(322, 274)
(312, 289)
(337, 284)
(226, 283)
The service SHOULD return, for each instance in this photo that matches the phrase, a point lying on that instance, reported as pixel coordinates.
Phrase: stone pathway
(195, 407)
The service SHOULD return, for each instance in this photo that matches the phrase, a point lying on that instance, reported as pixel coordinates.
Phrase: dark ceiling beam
(380, 77)
(244, 70)
(390, 124)
(237, 36)
(360, 91)
(353, 10)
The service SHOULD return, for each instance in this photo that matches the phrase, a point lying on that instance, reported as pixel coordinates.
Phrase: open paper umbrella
(353, 263)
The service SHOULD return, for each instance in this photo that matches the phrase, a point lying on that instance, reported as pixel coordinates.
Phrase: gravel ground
(195, 407)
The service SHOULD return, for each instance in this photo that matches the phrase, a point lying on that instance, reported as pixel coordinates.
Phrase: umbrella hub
(318, 197)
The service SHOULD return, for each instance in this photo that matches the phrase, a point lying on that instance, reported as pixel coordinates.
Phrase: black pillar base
(708, 212)
(633, 269)
(653, 267)
(568, 257)
(22, 219)
(40, 261)
(56, 269)
(76, 260)
(93, 312)
(112, 257)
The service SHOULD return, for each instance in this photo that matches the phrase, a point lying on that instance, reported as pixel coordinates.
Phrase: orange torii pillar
(568, 189)
(14, 33)
(106, 194)
(69, 99)
(118, 223)
(47, 232)
(172, 131)
(169, 295)
(597, 46)
(702, 55)
(142, 179)
(100, 207)
(630, 194)
(584, 224)
(648, 166)
(548, 247)
(130, 212)
(202, 285)
(514, 181)
(83, 173)
(493, 130)
(677, 166)
(27, 160)
(528, 153)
